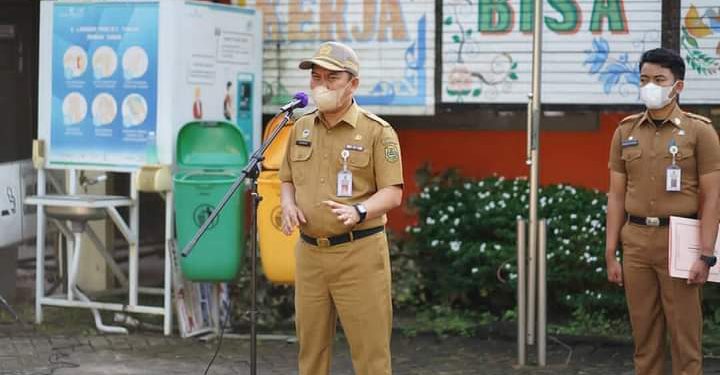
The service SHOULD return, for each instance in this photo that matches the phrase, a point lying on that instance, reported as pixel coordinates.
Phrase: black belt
(654, 221)
(341, 238)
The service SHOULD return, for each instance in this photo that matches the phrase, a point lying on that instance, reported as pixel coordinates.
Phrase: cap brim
(308, 64)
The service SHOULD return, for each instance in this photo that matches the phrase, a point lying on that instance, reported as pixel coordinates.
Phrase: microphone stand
(251, 171)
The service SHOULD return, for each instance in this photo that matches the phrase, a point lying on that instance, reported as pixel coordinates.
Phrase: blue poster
(104, 83)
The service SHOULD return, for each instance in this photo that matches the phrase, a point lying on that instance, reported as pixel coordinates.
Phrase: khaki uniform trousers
(659, 303)
(352, 281)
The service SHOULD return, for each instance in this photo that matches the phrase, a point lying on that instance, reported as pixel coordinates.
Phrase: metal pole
(40, 249)
(74, 263)
(528, 157)
(133, 256)
(521, 293)
(72, 184)
(253, 272)
(542, 295)
(167, 285)
(537, 70)
(534, 167)
(70, 250)
(532, 281)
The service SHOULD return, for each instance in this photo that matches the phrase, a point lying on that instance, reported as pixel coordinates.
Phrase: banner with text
(394, 39)
(590, 50)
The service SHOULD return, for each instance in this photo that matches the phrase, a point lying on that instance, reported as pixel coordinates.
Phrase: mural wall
(700, 46)
(394, 40)
(590, 50)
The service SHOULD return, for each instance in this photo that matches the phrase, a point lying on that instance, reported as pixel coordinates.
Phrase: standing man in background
(663, 162)
(341, 174)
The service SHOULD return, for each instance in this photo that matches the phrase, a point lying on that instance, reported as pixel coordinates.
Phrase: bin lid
(209, 144)
(276, 151)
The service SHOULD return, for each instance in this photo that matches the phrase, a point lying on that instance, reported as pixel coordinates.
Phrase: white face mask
(655, 96)
(327, 100)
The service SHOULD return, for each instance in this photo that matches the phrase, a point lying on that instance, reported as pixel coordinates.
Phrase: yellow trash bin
(276, 151)
(277, 251)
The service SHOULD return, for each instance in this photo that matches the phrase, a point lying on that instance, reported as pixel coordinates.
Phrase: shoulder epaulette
(631, 119)
(374, 117)
(698, 117)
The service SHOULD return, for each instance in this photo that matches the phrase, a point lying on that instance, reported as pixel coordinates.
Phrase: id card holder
(344, 178)
(344, 184)
(673, 178)
(673, 174)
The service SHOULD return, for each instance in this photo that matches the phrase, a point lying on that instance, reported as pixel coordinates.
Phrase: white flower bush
(464, 243)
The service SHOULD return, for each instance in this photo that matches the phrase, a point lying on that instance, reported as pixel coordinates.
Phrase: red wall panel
(577, 158)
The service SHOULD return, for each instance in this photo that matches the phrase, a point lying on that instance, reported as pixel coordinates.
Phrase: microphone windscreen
(303, 98)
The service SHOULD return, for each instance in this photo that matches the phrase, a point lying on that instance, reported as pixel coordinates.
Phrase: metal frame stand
(251, 171)
(109, 205)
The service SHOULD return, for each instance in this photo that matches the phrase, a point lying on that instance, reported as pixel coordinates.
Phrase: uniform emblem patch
(392, 154)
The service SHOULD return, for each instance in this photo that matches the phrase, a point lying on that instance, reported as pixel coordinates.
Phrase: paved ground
(63, 346)
(25, 351)
(68, 344)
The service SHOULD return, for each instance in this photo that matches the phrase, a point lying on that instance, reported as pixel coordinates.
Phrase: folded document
(684, 248)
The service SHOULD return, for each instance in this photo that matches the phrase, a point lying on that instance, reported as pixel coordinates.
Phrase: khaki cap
(334, 56)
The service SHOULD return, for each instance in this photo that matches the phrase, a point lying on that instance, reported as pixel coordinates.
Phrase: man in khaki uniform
(663, 162)
(341, 173)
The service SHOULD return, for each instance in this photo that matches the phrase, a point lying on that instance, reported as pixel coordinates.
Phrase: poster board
(117, 79)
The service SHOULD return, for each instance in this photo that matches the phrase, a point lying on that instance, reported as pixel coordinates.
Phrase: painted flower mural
(697, 31)
(461, 81)
(472, 80)
(615, 72)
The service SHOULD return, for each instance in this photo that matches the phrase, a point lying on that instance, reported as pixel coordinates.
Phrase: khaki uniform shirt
(313, 160)
(640, 150)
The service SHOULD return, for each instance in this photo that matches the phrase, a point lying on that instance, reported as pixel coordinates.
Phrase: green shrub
(464, 244)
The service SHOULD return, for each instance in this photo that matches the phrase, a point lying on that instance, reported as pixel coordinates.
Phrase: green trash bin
(210, 157)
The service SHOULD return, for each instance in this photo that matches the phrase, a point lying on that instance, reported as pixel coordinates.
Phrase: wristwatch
(709, 260)
(362, 212)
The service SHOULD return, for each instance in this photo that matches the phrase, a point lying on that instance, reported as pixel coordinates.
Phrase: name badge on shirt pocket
(630, 143)
(354, 147)
(303, 142)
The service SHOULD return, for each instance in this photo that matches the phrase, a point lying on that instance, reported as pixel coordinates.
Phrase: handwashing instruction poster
(221, 57)
(104, 83)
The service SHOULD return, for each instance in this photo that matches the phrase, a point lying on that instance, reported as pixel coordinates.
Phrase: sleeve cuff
(616, 168)
(710, 168)
(398, 182)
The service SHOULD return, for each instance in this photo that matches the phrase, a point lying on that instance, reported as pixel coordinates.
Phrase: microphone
(300, 100)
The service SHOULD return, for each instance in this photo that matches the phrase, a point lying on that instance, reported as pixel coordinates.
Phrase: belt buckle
(652, 221)
(323, 242)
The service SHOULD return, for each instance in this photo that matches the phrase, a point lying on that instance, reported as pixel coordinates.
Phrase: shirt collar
(676, 117)
(350, 117)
